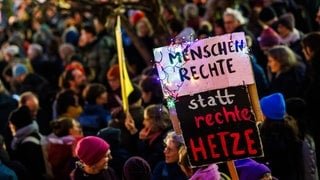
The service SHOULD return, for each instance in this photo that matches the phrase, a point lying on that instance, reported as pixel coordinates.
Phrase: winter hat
(114, 72)
(249, 169)
(273, 106)
(135, 95)
(209, 172)
(19, 69)
(21, 117)
(91, 149)
(111, 135)
(13, 50)
(136, 168)
(135, 16)
(269, 38)
(267, 14)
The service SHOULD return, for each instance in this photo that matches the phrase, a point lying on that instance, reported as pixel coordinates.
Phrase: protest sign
(207, 64)
(218, 125)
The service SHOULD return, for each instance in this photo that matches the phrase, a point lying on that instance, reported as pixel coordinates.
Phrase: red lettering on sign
(250, 142)
(212, 146)
(200, 149)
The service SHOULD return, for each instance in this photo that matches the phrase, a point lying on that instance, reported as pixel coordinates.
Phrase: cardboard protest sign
(218, 125)
(207, 64)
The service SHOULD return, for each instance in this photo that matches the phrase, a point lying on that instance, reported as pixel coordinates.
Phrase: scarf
(24, 132)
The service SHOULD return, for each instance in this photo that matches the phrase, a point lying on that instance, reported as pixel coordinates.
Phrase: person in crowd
(93, 162)
(119, 154)
(136, 168)
(66, 51)
(151, 91)
(12, 168)
(65, 134)
(249, 169)
(94, 117)
(281, 144)
(136, 112)
(106, 45)
(169, 169)
(311, 50)
(26, 142)
(39, 115)
(210, 171)
(95, 56)
(286, 73)
(7, 104)
(68, 104)
(289, 34)
(156, 124)
(114, 95)
(296, 107)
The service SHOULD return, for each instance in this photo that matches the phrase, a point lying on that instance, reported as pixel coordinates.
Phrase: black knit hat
(21, 117)
(135, 95)
(267, 14)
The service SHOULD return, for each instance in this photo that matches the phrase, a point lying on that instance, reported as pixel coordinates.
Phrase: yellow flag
(126, 86)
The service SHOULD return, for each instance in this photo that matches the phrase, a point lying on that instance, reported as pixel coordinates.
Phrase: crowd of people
(61, 114)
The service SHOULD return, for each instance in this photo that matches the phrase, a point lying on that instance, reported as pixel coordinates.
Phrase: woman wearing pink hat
(94, 155)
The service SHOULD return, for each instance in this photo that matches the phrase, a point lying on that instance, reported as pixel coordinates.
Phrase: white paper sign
(212, 63)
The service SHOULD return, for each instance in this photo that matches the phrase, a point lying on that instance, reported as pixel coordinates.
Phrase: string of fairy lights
(168, 71)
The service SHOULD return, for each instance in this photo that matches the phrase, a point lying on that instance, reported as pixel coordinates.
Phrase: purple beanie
(269, 38)
(249, 169)
(136, 168)
(91, 149)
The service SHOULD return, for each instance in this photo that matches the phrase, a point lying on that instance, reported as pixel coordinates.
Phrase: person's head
(156, 119)
(66, 50)
(151, 91)
(273, 107)
(10, 52)
(110, 135)
(268, 15)
(285, 25)
(218, 27)
(310, 45)
(232, 19)
(173, 142)
(34, 51)
(20, 118)
(68, 104)
(113, 77)
(144, 28)
(95, 94)
(66, 126)
(317, 19)
(281, 59)
(268, 39)
(30, 100)
(99, 23)
(19, 72)
(74, 79)
(136, 168)
(88, 34)
(135, 96)
(94, 153)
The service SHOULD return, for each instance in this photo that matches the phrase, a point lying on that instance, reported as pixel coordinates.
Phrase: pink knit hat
(91, 149)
